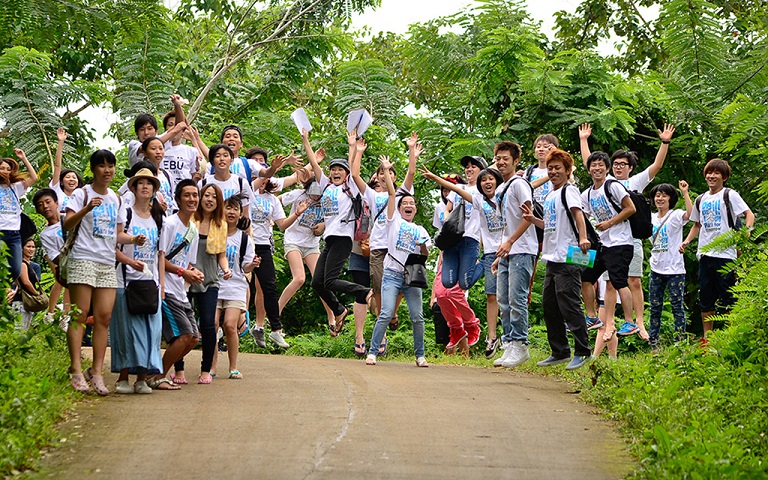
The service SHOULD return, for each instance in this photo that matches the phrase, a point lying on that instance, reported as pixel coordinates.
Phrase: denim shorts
(490, 278)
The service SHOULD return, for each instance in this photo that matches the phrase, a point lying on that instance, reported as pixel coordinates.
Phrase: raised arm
(386, 165)
(585, 130)
(661, 155)
(446, 184)
(414, 151)
(687, 196)
(61, 135)
(29, 181)
(311, 155)
(198, 143)
(354, 165)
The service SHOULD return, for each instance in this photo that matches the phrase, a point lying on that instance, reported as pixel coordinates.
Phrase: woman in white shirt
(135, 338)
(13, 186)
(63, 182)
(98, 214)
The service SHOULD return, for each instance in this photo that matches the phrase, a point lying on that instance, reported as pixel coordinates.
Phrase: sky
(393, 16)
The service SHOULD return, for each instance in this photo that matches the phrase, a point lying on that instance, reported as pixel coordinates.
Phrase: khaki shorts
(377, 268)
(304, 251)
(88, 272)
(224, 304)
(636, 265)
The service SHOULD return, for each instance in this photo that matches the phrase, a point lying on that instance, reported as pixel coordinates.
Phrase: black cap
(479, 161)
(491, 171)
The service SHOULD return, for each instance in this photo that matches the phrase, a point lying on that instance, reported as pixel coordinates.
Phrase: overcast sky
(393, 15)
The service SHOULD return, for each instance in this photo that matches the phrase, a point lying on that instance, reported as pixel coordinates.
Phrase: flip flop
(340, 321)
(247, 323)
(369, 300)
(162, 384)
(235, 375)
(332, 330)
(179, 380)
(394, 323)
(608, 336)
(383, 348)
(360, 349)
(205, 381)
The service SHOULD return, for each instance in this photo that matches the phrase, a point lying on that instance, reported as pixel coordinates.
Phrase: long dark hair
(155, 210)
(217, 216)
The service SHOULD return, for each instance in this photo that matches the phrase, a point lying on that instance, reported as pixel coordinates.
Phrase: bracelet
(180, 272)
(665, 143)
(133, 239)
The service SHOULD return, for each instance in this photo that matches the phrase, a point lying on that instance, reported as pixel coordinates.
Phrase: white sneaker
(519, 355)
(279, 339)
(123, 387)
(507, 347)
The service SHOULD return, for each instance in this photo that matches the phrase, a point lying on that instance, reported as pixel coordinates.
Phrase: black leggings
(205, 303)
(265, 273)
(326, 278)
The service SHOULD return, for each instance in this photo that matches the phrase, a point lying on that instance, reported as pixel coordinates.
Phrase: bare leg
(261, 312)
(218, 323)
(492, 312)
(81, 295)
(231, 317)
(103, 300)
(53, 300)
(297, 278)
(638, 304)
(706, 323)
(610, 309)
(176, 351)
(588, 294)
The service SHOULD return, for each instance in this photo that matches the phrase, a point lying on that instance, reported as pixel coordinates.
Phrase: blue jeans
(513, 282)
(656, 286)
(12, 239)
(392, 283)
(460, 264)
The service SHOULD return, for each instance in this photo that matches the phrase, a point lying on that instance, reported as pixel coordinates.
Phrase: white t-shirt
(232, 186)
(134, 156)
(238, 168)
(403, 239)
(300, 232)
(337, 208)
(10, 207)
(237, 286)
(61, 197)
(518, 193)
(438, 218)
(180, 161)
(558, 232)
(146, 253)
(52, 239)
(265, 208)
(540, 192)
(166, 191)
(171, 237)
(97, 237)
(595, 203)
(471, 214)
(378, 201)
(666, 258)
(491, 223)
(712, 214)
(638, 182)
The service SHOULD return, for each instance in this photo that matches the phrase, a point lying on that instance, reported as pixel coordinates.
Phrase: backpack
(362, 215)
(592, 236)
(243, 244)
(529, 172)
(536, 207)
(640, 221)
(733, 224)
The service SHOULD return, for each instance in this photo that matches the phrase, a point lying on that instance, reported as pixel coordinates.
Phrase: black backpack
(536, 207)
(733, 223)
(592, 236)
(640, 221)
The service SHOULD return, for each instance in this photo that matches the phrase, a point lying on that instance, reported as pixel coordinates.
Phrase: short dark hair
(630, 156)
(510, 147)
(668, 190)
(145, 143)
(547, 137)
(143, 119)
(234, 201)
(404, 195)
(168, 116)
(66, 172)
(231, 127)
(102, 156)
(556, 155)
(601, 156)
(215, 149)
(187, 182)
(718, 165)
(44, 192)
(253, 151)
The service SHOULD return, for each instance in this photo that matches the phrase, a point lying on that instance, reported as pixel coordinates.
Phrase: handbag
(34, 303)
(415, 270)
(142, 297)
(453, 228)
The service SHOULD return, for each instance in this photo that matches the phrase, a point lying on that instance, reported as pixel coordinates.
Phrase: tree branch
(74, 113)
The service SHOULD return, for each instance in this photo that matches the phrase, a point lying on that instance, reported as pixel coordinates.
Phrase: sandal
(332, 330)
(421, 362)
(394, 323)
(340, 321)
(79, 383)
(97, 382)
(205, 380)
(383, 348)
(179, 380)
(370, 359)
(607, 336)
(235, 375)
(360, 349)
(162, 384)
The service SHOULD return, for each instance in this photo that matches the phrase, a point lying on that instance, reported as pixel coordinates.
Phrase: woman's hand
(585, 130)
(302, 206)
(137, 265)
(139, 240)
(95, 202)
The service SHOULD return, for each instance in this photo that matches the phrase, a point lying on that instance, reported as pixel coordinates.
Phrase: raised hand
(361, 145)
(302, 206)
(585, 131)
(293, 159)
(278, 161)
(61, 134)
(413, 140)
(385, 163)
(320, 155)
(352, 138)
(683, 186)
(20, 154)
(666, 135)
(418, 150)
(427, 174)
(304, 133)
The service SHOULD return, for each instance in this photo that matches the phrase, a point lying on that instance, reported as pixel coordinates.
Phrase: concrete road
(317, 418)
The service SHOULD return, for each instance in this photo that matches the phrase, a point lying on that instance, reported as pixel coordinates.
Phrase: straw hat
(144, 173)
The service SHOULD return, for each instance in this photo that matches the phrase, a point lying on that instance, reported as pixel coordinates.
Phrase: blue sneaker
(578, 362)
(553, 361)
(627, 328)
(593, 323)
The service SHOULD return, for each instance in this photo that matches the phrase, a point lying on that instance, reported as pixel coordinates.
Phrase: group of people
(170, 257)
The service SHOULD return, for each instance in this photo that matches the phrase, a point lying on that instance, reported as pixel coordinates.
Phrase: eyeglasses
(620, 164)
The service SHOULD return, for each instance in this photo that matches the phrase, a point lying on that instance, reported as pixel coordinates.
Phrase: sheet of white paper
(359, 119)
(299, 117)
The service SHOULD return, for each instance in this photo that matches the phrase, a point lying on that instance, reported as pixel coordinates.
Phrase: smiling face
(69, 182)
(155, 152)
(661, 200)
(209, 200)
(621, 168)
(28, 250)
(541, 149)
(232, 213)
(382, 179)
(337, 175)
(189, 199)
(558, 175)
(471, 172)
(488, 185)
(103, 173)
(505, 163)
(597, 170)
(407, 208)
(714, 180)
(231, 138)
(145, 132)
(222, 160)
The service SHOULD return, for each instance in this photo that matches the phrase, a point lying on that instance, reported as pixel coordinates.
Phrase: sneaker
(123, 386)
(518, 356)
(258, 337)
(473, 335)
(279, 339)
(578, 362)
(593, 323)
(491, 345)
(627, 328)
(141, 387)
(553, 361)
(507, 347)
